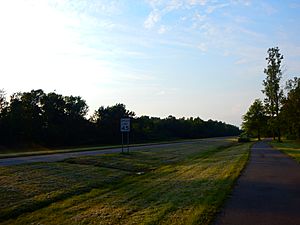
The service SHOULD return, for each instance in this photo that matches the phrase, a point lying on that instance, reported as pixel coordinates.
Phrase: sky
(185, 58)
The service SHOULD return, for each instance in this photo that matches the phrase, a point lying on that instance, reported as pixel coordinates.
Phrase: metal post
(122, 143)
(127, 142)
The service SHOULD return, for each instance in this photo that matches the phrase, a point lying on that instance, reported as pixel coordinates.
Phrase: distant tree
(111, 113)
(75, 106)
(64, 119)
(254, 119)
(54, 117)
(3, 108)
(24, 116)
(291, 108)
(3, 102)
(107, 121)
(33, 114)
(272, 90)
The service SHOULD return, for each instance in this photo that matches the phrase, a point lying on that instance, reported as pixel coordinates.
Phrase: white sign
(125, 124)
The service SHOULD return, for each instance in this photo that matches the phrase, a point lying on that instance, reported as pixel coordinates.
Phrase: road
(267, 193)
(62, 156)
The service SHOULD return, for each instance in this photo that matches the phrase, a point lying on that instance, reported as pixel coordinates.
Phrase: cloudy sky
(159, 57)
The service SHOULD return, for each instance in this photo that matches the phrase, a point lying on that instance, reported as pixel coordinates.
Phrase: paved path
(267, 193)
(62, 156)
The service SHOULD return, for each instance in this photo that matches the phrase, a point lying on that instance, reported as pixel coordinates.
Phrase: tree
(3, 109)
(3, 102)
(24, 116)
(107, 121)
(272, 90)
(76, 107)
(291, 108)
(254, 119)
(64, 119)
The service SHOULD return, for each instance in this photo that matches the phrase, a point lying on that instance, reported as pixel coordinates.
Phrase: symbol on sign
(125, 125)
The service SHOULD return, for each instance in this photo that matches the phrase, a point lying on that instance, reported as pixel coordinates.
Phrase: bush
(244, 138)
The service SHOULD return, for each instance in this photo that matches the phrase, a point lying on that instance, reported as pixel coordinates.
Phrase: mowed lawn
(292, 148)
(182, 184)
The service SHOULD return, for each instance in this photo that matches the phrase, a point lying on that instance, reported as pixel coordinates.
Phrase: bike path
(267, 192)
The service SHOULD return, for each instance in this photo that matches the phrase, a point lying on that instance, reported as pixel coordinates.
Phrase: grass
(41, 150)
(292, 148)
(182, 184)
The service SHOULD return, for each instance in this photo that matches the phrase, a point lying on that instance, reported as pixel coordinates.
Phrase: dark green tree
(3, 109)
(64, 119)
(272, 90)
(54, 116)
(75, 106)
(290, 113)
(254, 119)
(3, 102)
(107, 121)
(23, 117)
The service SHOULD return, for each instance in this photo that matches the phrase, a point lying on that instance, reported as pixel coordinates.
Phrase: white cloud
(199, 17)
(173, 5)
(195, 2)
(243, 2)
(241, 61)
(211, 8)
(162, 29)
(152, 19)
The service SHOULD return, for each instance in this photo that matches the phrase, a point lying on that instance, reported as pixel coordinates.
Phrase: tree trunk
(258, 134)
(279, 135)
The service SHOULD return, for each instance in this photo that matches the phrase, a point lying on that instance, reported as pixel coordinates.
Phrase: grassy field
(183, 184)
(41, 150)
(292, 148)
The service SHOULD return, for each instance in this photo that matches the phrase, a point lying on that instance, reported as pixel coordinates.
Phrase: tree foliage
(291, 108)
(3, 102)
(272, 90)
(254, 121)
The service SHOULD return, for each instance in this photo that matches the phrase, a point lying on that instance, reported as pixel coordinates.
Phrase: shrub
(244, 137)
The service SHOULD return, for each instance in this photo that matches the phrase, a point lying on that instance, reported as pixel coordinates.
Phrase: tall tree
(254, 119)
(272, 90)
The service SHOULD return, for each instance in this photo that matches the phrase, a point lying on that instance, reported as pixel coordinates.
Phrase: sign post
(125, 127)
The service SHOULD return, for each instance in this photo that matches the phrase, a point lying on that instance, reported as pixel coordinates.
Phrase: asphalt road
(62, 156)
(267, 193)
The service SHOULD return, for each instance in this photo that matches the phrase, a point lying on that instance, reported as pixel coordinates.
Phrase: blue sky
(178, 57)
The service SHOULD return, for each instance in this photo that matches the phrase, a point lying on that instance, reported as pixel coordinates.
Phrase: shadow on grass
(30, 205)
(171, 202)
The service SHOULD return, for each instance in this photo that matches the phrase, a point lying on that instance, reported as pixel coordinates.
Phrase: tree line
(279, 113)
(53, 120)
